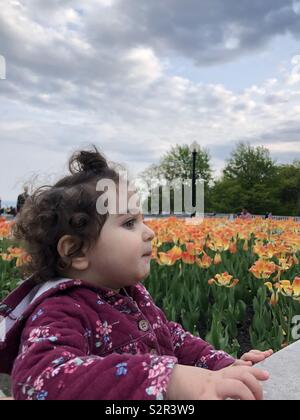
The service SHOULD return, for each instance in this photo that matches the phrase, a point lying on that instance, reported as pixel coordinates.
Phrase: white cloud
(106, 3)
(232, 37)
(232, 43)
(294, 76)
(146, 67)
(2, 68)
(296, 7)
(290, 147)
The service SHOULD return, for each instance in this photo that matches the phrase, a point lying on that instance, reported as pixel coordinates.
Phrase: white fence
(206, 216)
(222, 216)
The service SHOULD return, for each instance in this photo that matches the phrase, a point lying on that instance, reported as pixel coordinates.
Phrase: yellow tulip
(286, 288)
(224, 280)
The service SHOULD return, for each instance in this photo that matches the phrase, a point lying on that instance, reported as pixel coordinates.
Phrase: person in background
(245, 214)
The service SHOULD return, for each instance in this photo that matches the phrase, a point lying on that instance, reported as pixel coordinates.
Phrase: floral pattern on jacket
(79, 342)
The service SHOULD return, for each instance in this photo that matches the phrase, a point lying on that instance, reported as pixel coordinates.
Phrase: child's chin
(142, 278)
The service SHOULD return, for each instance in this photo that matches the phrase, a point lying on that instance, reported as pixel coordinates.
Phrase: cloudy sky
(136, 76)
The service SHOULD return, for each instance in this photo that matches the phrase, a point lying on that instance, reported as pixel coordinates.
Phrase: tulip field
(234, 283)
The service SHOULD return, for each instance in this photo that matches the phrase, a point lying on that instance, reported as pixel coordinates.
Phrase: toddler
(83, 327)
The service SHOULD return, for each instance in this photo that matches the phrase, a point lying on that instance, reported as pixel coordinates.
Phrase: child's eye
(130, 223)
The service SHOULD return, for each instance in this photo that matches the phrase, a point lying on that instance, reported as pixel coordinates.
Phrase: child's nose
(148, 234)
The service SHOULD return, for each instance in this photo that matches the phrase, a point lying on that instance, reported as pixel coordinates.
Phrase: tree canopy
(251, 179)
(177, 164)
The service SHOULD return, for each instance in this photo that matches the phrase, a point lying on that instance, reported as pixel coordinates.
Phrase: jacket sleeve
(190, 350)
(194, 351)
(55, 363)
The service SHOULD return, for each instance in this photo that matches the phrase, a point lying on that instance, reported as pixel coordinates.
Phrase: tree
(250, 180)
(289, 188)
(152, 173)
(250, 166)
(177, 164)
(227, 196)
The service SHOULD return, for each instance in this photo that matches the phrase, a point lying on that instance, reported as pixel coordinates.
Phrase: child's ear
(66, 246)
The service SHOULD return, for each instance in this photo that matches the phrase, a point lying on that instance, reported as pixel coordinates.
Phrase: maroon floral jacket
(68, 340)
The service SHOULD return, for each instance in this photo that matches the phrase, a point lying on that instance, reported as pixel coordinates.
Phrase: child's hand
(237, 382)
(253, 357)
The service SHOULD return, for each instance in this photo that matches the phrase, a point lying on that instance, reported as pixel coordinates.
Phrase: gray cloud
(206, 31)
(90, 72)
(285, 136)
(288, 132)
(57, 41)
(79, 53)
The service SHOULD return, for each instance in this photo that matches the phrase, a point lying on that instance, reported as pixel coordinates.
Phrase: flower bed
(237, 284)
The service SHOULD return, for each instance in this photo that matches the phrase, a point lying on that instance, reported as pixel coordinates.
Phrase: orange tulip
(5, 229)
(23, 259)
(286, 288)
(264, 251)
(6, 257)
(204, 262)
(188, 258)
(18, 254)
(170, 257)
(263, 269)
(285, 263)
(190, 248)
(223, 280)
(15, 252)
(233, 248)
(217, 259)
(218, 244)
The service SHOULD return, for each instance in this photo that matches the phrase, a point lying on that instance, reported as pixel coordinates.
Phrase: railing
(206, 216)
(222, 216)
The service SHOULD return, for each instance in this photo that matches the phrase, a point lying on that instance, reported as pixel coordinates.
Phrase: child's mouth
(149, 255)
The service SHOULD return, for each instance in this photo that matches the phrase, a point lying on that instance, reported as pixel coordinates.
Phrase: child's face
(122, 254)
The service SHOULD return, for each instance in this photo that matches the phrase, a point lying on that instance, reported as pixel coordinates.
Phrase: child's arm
(190, 350)
(194, 351)
(56, 362)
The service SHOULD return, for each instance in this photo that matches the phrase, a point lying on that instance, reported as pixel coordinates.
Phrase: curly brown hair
(66, 208)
